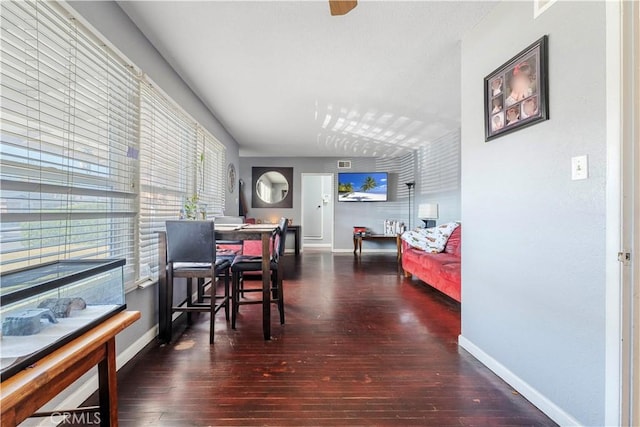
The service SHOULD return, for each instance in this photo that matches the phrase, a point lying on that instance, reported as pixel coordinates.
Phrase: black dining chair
(229, 249)
(244, 263)
(191, 254)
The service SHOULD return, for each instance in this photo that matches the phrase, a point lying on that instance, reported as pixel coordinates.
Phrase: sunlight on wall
(349, 131)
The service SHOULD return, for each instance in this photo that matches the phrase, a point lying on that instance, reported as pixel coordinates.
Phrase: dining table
(229, 232)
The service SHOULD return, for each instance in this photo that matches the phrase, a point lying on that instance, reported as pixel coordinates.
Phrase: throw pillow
(431, 240)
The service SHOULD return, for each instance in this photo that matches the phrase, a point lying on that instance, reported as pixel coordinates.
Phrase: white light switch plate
(579, 168)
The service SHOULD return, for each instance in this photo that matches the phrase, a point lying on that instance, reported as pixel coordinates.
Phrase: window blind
(439, 164)
(68, 142)
(211, 174)
(168, 169)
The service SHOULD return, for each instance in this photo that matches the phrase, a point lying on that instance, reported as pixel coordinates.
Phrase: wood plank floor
(362, 346)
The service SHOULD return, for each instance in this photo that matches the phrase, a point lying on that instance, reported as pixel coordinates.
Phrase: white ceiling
(287, 78)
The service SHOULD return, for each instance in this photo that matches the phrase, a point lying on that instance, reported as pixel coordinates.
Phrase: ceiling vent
(344, 164)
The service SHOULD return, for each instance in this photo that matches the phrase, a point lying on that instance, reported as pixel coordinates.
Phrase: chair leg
(189, 301)
(274, 284)
(168, 309)
(235, 297)
(280, 291)
(212, 320)
(201, 290)
(227, 302)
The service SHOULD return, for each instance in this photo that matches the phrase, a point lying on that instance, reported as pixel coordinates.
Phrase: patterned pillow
(431, 240)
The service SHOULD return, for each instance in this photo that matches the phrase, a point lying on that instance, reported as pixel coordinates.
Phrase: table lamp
(428, 212)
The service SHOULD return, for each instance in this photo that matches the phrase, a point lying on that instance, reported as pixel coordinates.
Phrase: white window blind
(439, 164)
(168, 163)
(211, 176)
(68, 142)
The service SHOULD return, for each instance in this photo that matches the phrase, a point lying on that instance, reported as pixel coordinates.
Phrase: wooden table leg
(108, 387)
(266, 287)
(360, 245)
(355, 244)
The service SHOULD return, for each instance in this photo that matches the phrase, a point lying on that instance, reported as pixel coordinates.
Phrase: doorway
(317, 210)
(623, 216)
(631, 211)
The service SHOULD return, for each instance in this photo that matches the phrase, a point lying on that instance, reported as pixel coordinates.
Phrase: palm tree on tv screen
(345, 188)
(369, 184)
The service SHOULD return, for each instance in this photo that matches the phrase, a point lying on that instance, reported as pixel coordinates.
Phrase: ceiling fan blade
(341, 7)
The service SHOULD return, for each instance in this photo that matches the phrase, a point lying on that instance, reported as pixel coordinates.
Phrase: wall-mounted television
(362, 187)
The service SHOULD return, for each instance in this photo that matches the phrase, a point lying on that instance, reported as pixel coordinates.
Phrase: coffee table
(357, 242)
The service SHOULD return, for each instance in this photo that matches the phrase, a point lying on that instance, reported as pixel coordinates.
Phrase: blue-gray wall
(533, 271)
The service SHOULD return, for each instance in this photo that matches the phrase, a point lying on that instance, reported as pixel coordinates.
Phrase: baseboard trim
(91, 385)
(370, 251)
(552, 410)
(317, 245)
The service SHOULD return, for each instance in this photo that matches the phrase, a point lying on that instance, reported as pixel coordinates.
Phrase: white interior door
(317, 210)
(312, 207)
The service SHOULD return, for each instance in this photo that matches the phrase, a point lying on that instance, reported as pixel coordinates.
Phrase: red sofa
(442, 270)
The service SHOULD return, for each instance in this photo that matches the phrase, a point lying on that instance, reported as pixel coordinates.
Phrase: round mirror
(272, 187)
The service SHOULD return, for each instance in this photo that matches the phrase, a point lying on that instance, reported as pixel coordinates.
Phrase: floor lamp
(410, 186)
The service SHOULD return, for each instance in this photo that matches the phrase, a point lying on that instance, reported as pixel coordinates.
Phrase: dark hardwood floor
(362, 346)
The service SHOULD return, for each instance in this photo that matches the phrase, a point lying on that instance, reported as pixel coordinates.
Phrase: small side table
(297, 231)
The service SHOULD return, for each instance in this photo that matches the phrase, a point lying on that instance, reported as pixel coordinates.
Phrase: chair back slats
(282, 236)
(191, 241)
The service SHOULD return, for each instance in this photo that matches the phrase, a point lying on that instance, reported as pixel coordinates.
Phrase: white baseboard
(370, 251)
(552, 410)
(91, 385)
(317, 245)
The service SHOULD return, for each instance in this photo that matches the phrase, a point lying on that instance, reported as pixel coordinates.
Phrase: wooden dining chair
(246, 263)
(191, 254)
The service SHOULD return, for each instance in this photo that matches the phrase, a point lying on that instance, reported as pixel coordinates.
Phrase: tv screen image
(362, 187)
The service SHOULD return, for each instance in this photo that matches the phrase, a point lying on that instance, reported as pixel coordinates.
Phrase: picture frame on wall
(516, 94)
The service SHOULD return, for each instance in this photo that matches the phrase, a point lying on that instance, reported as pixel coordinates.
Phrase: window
(439, 164)
(178, 160)
(69, 125)
(94, 158)
(168, 162)
(211, 173)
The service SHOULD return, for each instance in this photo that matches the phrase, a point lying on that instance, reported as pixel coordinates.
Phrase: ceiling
(288, 79)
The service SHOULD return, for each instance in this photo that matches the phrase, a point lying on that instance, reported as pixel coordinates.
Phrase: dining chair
(246, 263)
(229, 249)
(191, 254)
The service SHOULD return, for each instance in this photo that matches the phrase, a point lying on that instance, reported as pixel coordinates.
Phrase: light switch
(579, 168)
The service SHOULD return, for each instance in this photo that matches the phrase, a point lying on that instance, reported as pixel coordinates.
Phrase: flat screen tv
(362, 187)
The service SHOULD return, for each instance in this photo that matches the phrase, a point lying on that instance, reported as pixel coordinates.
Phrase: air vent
(344, 164)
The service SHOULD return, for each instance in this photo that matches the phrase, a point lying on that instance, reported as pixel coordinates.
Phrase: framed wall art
(516, 94)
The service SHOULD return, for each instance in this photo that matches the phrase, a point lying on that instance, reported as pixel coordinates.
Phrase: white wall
(533, 275)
